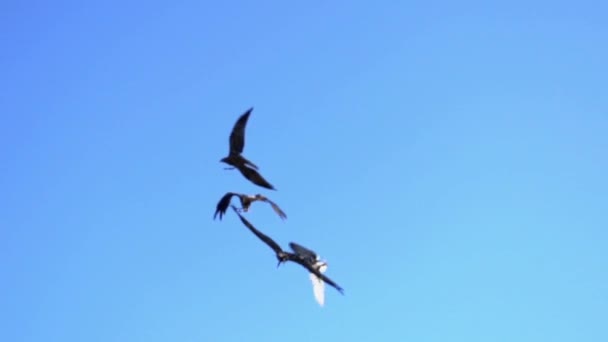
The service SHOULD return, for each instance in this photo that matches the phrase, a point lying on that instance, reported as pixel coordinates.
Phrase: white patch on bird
(318, 289)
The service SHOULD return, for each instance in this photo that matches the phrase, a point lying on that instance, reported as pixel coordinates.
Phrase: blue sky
(447, 159)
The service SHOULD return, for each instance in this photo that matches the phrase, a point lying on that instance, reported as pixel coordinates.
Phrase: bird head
(282, 257)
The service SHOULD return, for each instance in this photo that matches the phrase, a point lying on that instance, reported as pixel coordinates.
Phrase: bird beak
(279, 263)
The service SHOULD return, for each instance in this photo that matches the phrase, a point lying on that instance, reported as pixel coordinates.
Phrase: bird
(246, 201)
(235, 154)
(302, 256)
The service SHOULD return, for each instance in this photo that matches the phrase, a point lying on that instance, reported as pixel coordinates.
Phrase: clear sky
(448, 159)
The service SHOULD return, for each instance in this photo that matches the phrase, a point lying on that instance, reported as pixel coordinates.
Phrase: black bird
(303, 256)
(235, 157)
(246, 201)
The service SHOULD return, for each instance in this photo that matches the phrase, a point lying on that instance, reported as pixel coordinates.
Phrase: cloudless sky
(448, 159)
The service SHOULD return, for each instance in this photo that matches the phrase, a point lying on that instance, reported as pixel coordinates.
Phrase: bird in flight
(246, 201)
(235, 157)
(302, 256)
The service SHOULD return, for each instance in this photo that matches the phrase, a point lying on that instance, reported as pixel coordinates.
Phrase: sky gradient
(447, 160)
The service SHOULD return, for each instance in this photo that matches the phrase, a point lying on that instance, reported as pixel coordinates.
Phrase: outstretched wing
(248, 162)
(237, 136)
(329, 281)
(303, 252)
(223, 204)
(275, 207)
(255, 177)
(270, 242)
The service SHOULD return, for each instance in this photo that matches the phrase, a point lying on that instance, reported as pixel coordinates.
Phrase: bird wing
(248, 162)
(270, 242)
(275, 207)
(318, 288)
(223, 204)
(255, 177)
(303, 252)
(237, 136)
(329, 281)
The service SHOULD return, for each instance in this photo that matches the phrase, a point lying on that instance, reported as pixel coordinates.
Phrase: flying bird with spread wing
(246, 201)
(302, 256)
(235, 157)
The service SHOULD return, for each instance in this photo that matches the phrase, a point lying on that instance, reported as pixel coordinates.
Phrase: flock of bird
(300, 255)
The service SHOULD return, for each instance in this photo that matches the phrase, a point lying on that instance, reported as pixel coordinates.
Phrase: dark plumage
(235, 157)
(246, 201)
(302, 256)
(254, 176)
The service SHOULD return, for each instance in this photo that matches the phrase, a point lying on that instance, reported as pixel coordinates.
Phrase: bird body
(237, 160)
(235, 154)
